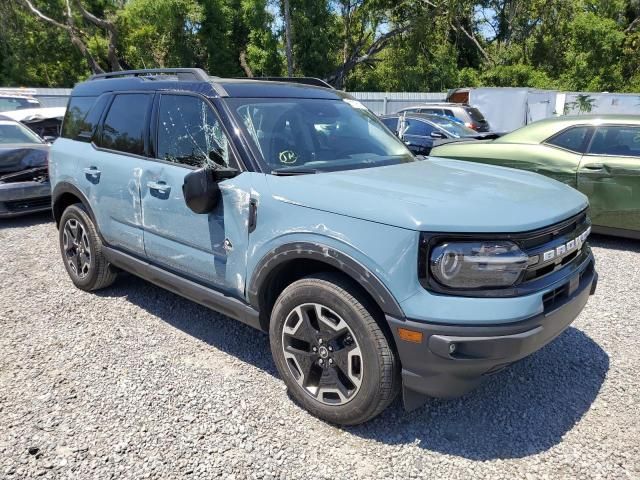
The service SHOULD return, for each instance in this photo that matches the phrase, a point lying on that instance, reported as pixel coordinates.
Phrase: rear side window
(617, 141)
(77, 111)
(391, 123)
(475, 114)
(573, 139)
(125, 123)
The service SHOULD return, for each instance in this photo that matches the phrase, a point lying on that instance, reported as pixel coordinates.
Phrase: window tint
(572, 139)
(391, 123)
(77, 110)
(433, 111)
(190, 133)
(124, 125)
(416, 127)
(475, 114)
(620, 140)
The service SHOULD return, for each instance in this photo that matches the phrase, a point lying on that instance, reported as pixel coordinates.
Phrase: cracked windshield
(190, 133)
(316, 134)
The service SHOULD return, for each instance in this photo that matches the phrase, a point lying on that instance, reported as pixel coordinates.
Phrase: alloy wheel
(322, 353)
(77, 249)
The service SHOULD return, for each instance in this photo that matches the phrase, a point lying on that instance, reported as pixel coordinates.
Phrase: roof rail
(304, 80)
(181, 73)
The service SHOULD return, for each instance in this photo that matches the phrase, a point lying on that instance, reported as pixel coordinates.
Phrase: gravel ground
(135, 382)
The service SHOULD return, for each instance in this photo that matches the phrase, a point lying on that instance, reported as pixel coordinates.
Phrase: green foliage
(576, 45)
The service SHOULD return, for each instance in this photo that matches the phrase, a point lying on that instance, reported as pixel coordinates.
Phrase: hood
(436, 195)
(14, 158)
(28, 115)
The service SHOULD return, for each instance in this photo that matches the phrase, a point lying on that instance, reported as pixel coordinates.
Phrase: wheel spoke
(322, 354)
(75, 261)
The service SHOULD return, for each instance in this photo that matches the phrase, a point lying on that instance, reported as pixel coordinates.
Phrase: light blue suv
(290, 207)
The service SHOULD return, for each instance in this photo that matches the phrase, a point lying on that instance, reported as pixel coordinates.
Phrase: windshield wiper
(290, 171)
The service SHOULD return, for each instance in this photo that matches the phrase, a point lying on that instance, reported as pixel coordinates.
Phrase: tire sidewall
(78, 213)
(365, 399)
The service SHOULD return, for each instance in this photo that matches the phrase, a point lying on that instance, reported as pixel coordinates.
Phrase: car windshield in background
(315, 135)
(9, 104)
(14, 133)
(453, 127)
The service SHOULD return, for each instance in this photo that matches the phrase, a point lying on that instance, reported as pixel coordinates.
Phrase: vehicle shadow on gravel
(223, 333)
(615, 243)
(523, 410)
(26, 221)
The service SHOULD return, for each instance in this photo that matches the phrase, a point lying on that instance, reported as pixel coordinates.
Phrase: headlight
(469, 265)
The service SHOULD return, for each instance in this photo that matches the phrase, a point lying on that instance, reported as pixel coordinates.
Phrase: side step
(208, 297)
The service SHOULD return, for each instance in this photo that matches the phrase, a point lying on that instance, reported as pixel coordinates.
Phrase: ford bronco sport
(292, 208)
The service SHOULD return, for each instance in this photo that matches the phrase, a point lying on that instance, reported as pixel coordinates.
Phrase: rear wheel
(331, 352)
(81, 250)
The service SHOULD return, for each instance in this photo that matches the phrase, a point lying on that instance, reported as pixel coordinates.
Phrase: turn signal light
(410, 335)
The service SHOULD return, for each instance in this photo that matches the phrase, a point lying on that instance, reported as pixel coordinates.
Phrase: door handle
(594, 166)
(159, 187)
(93, 174)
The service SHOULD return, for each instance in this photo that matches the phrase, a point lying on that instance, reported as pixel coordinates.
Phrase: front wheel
(332, 354)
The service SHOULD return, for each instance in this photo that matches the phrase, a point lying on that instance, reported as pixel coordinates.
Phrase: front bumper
(21, 198)
(453, 359)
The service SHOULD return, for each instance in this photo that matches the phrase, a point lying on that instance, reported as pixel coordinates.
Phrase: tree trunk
(288, 32)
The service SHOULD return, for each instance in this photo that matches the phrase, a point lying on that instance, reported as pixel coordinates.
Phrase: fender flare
(322, 253)
(66, 187)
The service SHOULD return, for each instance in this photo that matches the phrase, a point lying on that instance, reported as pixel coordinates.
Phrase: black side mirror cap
(200, 188)
(201, 191)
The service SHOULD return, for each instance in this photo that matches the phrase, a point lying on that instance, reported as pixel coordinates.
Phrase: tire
(82, 254)
(353, 374)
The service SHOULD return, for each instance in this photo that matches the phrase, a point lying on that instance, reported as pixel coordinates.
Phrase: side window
(449, 113)
(391, 123)
(77, 111)
(124, 125)
(190, 133)
(573, 139)
(616, 140)
(433, 111)
(416, 127)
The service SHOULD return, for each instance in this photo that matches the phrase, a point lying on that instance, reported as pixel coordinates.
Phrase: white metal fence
(390, 102)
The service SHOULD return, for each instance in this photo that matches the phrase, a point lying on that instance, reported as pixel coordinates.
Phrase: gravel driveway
(135, 382)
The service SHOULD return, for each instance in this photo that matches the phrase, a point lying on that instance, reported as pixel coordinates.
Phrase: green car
(597, 154)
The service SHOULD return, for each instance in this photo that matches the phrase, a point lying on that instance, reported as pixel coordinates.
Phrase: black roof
(198, 82)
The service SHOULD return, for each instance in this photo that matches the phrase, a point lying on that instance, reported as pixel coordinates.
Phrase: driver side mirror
(200, 188)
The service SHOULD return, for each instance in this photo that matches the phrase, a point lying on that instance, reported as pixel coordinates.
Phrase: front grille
(16, 206)
(558, 296)
(564, 243)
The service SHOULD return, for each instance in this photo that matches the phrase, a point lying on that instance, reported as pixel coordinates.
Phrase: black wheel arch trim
(332, 257)
(66, 187)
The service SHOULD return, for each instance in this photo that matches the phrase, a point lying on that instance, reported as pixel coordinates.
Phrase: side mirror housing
(200, 188)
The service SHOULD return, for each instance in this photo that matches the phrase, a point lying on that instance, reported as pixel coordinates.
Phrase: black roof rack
(316, 82)
(181, 73)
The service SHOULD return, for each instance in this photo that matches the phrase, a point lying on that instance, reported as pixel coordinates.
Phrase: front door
(609, 175)
(197, 246)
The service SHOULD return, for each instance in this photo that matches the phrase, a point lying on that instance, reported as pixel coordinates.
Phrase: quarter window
(616, 140)
(573, 139)
(74, 118)
(190, 133)
(124, 126)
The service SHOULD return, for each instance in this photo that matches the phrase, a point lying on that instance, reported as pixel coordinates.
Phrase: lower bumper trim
(455, 359)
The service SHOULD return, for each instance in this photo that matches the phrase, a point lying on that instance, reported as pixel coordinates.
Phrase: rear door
(609, 175)
(110, 175)
(187, 130)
